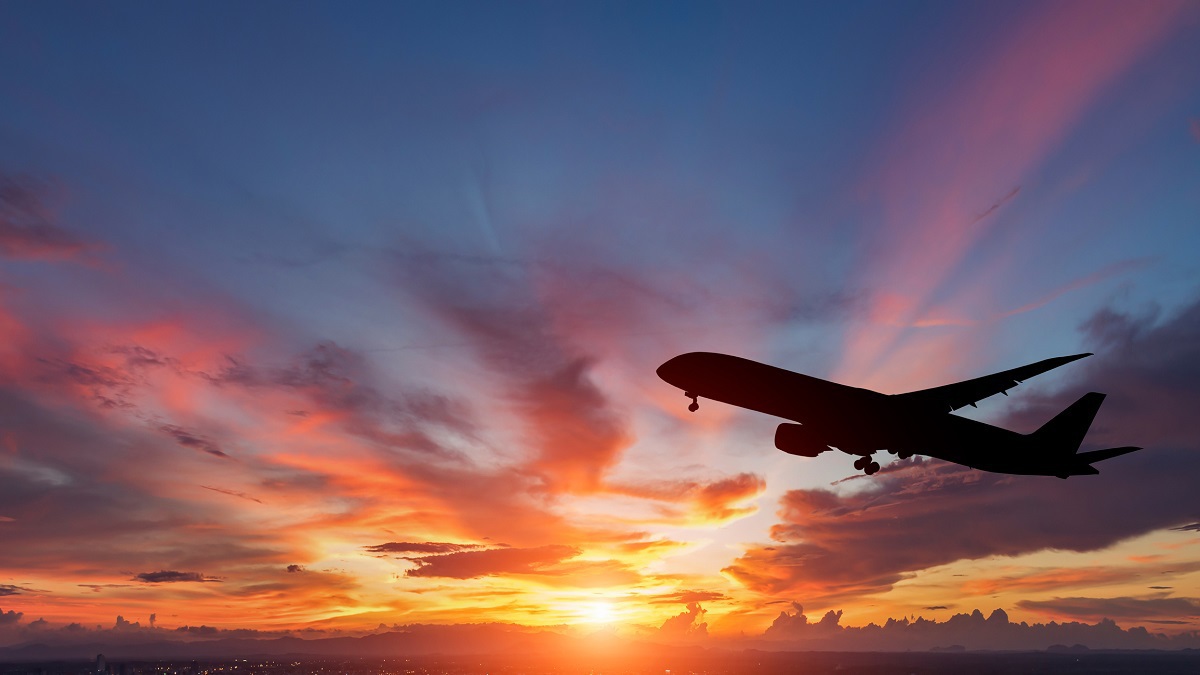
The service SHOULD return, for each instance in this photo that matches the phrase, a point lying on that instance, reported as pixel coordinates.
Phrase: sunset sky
(328, 315)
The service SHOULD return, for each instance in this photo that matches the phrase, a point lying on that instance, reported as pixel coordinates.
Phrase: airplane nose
(667, 370)
(674, 371)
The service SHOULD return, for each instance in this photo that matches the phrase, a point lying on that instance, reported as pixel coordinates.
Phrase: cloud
(233, 493)
(923, 513)
(1058, 579)
(171, 576)
(11, 617)
(795, 624)
(9, 589)
(1120, 608)
(420, 547)
(970, 630)
(338, 384)
(686, 625)
(470, 564)
(292, 569)
(704, 501)
(996, 207)
(189, 439)
(96, 588)
(27, 228)
(573, 431)
(1192, 527)
(687, 597)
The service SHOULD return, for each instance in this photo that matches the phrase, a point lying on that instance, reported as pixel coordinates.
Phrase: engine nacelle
(796, 439)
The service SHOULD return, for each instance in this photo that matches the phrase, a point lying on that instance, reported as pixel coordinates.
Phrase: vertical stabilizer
(1065, 432)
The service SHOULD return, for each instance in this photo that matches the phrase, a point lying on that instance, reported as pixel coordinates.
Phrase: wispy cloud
(27, 223)
(171, 576)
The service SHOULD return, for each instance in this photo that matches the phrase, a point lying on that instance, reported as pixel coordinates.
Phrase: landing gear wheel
(860, 463)
(695, 404)
(871, 468)
(904, 454)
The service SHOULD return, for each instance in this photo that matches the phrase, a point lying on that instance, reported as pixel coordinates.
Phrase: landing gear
(866, 465)
(694, 405)
(904, 454)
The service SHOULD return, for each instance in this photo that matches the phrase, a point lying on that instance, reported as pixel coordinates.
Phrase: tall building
(101, 664)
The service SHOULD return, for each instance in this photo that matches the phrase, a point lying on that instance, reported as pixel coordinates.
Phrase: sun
(600, 611)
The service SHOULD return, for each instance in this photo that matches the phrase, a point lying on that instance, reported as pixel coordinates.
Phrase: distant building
(101, 664)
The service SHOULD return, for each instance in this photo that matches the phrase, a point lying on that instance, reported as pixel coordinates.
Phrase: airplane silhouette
(861, 422)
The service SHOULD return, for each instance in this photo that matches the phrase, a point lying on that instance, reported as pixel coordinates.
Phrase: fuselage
(858, 421)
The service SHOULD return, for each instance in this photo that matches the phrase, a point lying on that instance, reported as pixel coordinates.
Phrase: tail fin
(1065, 432)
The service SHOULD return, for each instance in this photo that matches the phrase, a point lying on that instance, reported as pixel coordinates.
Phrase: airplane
(861, 422)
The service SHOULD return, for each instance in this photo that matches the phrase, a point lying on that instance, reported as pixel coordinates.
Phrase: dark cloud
(795, 624)
(10, 617)
(972, 631)
(340, 380)
(922, 513)
(9, 589)
(96, 588)
(1117, 608)
(27, 227)
(171, 576)
(233, 493)
(996, 207)
(687, 597)
(686, 625)
(934, 608)
(189, 439)
(470, 564)
(295, 568)
(1194, 527)
(420, 547)
(80, 484)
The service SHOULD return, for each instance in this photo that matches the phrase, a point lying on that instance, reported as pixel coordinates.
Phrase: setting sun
(600, 611)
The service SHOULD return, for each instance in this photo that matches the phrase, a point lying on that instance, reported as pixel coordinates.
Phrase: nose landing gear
(694, 405)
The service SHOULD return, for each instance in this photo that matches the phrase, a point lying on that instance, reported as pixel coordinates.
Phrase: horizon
(326, 318)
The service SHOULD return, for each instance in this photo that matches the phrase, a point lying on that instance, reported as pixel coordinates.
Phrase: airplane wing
(968, 392)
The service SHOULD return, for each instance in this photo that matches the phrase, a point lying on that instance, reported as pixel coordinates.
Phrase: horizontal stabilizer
(1065, 432)
(1098, 455)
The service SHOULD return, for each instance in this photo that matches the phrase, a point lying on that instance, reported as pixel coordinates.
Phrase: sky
(321, 316)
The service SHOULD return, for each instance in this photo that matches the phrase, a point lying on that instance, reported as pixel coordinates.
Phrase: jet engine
(796, 439)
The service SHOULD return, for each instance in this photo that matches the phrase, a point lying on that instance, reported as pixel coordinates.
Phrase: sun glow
(600, 611)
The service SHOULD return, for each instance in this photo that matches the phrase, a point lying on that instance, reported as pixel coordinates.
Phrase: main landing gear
(866, 465)
(695, 405)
